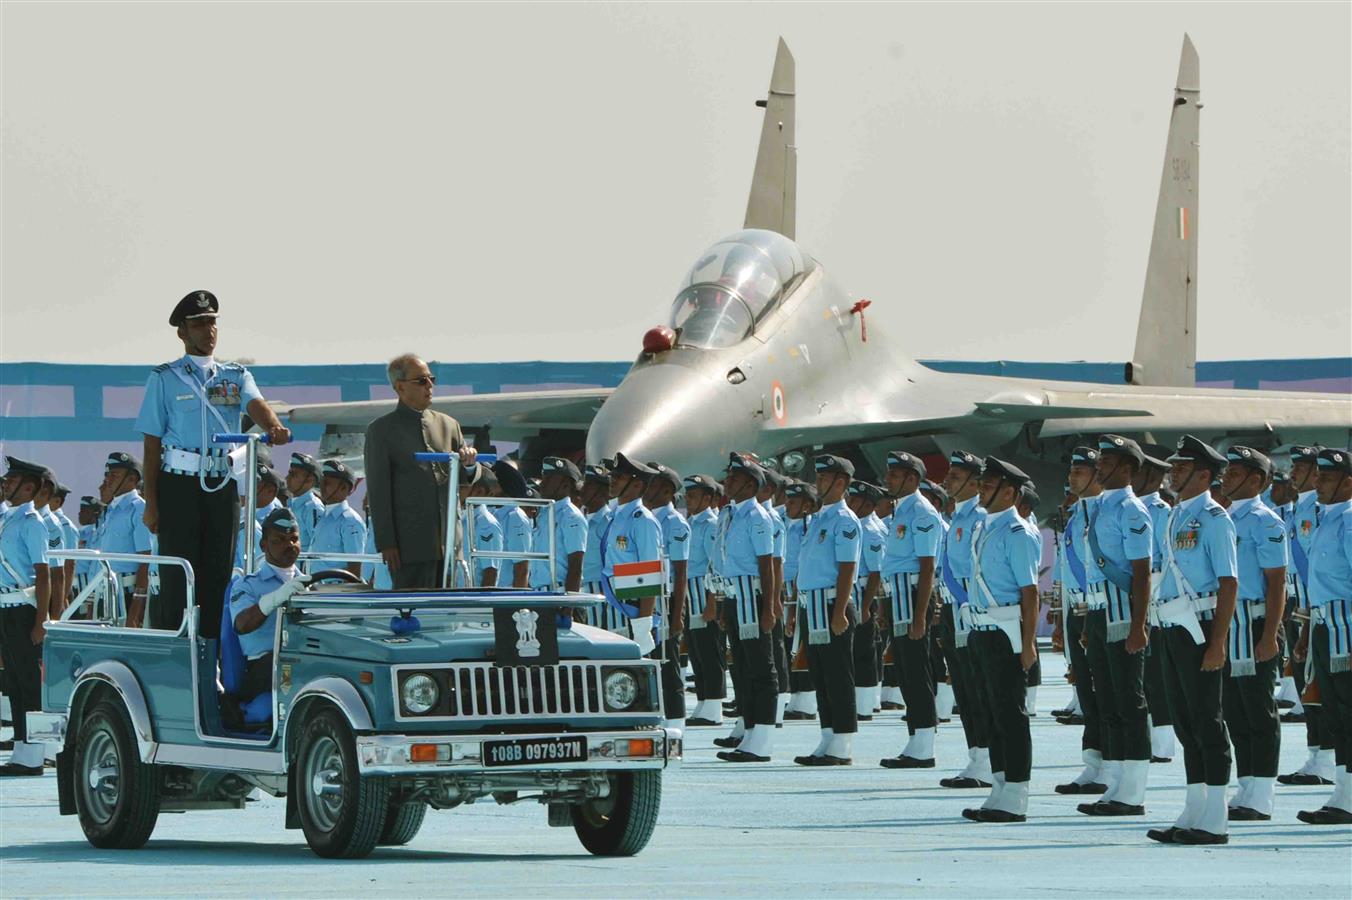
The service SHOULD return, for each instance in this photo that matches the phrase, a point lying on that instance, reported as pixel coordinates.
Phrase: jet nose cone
(666, 413)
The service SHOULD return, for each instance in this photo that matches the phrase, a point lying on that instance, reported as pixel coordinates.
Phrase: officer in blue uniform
(1319, 768)
(25, 602)
(1327, 636)
(1119, 538)
(1084, 591)
(747, 550)
(595, 500)
(91, 512)
(340, 530)
(862, 499)
(1147, 486)
(517, 527)
(255, 597)
(124, 530)
(913, 535)
(1249, 707)
(769, 496)
(70, 538)
(487, 536)
(631, 536)
(707, 662)
(191, 499)
(560, 478)
(56, 542)
(662, 489)
(1194, 603)
(268, 497)
(800, 506)
(826, 578)
(963, 484)
(944, 699)
(302, 480)
(1004, 606)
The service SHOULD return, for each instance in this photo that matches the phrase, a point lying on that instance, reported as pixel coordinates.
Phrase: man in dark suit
(407, 497)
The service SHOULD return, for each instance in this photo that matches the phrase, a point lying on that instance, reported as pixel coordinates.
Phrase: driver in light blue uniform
(254, 599)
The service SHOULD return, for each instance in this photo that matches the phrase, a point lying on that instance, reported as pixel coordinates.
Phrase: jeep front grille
(484, 691)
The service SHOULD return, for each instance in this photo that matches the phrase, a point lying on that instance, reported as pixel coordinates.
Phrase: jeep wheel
(402, 823)
(341, 812)
(621, 824)
(117, 797)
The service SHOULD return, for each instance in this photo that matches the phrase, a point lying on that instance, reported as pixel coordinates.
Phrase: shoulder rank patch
(1275, 540)
(874, 548)
(925, 528)
(849, 535)
(163, 367)
(1215, 511)
(679, 537)
(1140, 530)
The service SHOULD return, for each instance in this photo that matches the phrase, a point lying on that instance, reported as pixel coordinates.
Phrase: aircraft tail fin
(774, 186)
(1166, 335)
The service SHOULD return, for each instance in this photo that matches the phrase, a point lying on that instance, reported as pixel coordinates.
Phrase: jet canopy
(734, 285)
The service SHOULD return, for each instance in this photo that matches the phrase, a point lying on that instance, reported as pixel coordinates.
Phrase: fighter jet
(765, 351)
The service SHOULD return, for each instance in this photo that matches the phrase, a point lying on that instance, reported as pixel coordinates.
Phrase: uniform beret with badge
(962, 459)
(870, 492)
(120, 460)
(336, 468)
(900, 459)
(738, 462)
(667, 474)
(598, 473)
(802, 489)
(306, 463)
(1122, 446)
(829, 462)
(702, 483)
(1335, 459)
(1084, 456)
(557, 465)
(1250, 458)
(281, 520)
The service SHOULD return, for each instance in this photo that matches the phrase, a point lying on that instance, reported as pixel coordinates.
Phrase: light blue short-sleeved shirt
(307, 508)
(1076, 538)
(172, 411)
(718, 558)
(596, 527)
(340, 530)
(1123, 528)
(750, 535)
(873, 544)
(1006, 554)
(570, 536)
(258, 544)
(56, 535)
(778, 531)
(262, 513)
(703, 532)
(1159, 525)
(967, 515)
(1201, 540)
(23, 545)
(488, 538)
(123, 530)
(793, 546)
(913, 532)
(1301, 528)
(246, 591)
(517, 533)
(88, 541)
(675, 538)
(1260, 543)
(834, 536)
(1331, 555)
(633, 535)
(70, 535)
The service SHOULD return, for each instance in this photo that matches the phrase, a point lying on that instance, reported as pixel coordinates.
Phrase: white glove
(268, 603)
(642, 627)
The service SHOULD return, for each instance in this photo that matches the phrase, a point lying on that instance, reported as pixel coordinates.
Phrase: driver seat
(258, 711)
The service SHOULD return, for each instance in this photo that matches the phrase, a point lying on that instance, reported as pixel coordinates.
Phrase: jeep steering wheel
(335, 575)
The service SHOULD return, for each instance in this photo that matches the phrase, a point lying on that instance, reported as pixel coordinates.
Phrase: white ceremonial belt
(1006, 618)
(1257, 608)
(189, 462)
(22, 597)
(1183, 612)
(1097, 596)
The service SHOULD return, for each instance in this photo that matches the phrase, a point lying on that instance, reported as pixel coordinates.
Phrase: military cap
(1006, 471)
(738, 462)
(532, 492)
(60, 490)
(1280, 477)
(1083, 456)
(485, 476)
(24, 467)
(965, 460)
(1028, 496)
(1193, 450)
(513, 483)
(597, 472)
(1247, 456)
(1154, 462)
(626, 466)
(1122, 446)
(266, 474)
(667, 474)
(702, 483)
(870, 492)
(802, 489)
(774, 478)
(1335, 459)
(557, 465)
(829, 462)
(335, 468)
(903, 460)
(930, 487)
(281, 520)
(1303, 453)
(120, 460)
(197, 305)
(87, 502)
(306, 463)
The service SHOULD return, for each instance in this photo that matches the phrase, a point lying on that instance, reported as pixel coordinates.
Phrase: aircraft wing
(510, 416)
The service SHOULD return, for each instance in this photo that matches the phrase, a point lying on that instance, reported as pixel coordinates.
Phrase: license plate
(535, 751)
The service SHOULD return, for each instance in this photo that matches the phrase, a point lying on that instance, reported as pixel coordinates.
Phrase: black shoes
(992, 815)
(1328, 815)
(824, 760)
(1198, 836)
(1303, 779)
(963, 781)
(741, 756)
(730, 742)
(1247, 814)
(1091, 787)
(906, 762)
(1110, 808)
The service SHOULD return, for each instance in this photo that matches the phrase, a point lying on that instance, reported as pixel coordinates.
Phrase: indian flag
(634, 581)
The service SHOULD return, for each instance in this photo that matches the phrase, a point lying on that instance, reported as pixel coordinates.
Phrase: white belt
(1006, 618)
(189, 462)
(1183, 612)
(22, 597)
(1257, 608)
(1097, 596)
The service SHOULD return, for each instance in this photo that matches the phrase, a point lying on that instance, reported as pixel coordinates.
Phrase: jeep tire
(402, 822)
(341, 812)
(622, 823)
(117, 797)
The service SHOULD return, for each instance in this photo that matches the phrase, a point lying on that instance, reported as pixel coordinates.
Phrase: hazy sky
(501, 182)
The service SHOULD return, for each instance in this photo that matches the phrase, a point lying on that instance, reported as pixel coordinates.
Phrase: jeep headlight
(621, 690)
(419, 693)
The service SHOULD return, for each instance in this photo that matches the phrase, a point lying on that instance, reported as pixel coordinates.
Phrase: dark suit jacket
(408, 498)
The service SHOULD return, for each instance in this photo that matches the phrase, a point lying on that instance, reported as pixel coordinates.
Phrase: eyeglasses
(424, 380)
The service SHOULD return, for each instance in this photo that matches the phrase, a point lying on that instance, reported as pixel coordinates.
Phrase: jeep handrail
(99, 556)
(504, 598)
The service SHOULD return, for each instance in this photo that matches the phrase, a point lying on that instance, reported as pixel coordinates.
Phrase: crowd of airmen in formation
(1180, 586)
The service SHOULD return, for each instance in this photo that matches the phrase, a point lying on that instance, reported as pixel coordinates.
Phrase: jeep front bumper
(458, 754)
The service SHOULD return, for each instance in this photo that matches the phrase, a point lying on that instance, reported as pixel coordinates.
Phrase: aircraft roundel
(777, 403)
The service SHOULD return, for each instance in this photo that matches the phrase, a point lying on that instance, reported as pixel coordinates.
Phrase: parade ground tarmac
(764, 830)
